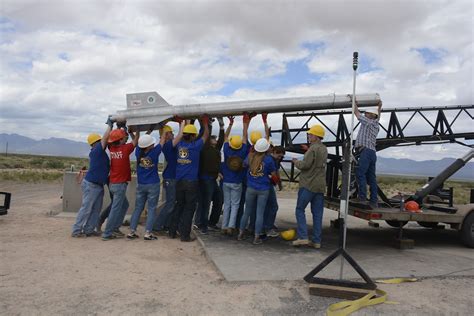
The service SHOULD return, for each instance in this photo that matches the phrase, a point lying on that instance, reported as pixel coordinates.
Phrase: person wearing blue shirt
(235, 152)
(169, 180)
(187, 184)
(148, 184)
(277, 153)
(260, 167)
(92, 185)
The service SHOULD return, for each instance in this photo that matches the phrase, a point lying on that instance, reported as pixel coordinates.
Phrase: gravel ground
(44, 271)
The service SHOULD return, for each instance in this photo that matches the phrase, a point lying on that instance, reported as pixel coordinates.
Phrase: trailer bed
(394, 214)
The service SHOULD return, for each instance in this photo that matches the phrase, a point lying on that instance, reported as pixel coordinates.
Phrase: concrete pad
(436, 252)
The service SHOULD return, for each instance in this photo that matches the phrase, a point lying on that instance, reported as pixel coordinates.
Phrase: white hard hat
(262, 145)
(373, 110)
(145, 141)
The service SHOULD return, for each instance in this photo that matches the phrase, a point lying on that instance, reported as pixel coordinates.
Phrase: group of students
(195, 176)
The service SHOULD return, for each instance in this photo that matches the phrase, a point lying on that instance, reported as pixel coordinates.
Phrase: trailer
(437, 205)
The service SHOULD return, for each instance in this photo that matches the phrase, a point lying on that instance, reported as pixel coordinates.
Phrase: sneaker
(105, 238)
(374, 205)
(132, 235)
(257, 240)
(203, 232)
(195, 226)
(149, 236)
(213, 227)
(273, 233)
(315, 245)
(300, 242)
(93, 234)
(118, 233)
(241, 236)
(77, 235)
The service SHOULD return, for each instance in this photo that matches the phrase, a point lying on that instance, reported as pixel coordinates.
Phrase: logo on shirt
(146, 162)
(183, 155)
(116, 155)
(259, 171)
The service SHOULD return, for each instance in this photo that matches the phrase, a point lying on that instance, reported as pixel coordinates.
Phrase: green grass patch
(30, 175)
(19, 161)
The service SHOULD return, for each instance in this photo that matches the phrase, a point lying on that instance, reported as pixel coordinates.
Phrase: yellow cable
(374, 297)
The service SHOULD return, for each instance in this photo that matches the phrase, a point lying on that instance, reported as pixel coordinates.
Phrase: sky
(65, 65)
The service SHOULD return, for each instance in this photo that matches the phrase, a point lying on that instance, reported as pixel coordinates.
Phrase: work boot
(300, 242)
(230, 231)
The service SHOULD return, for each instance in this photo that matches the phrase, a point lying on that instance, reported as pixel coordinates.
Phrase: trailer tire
(428, 224)
(467, 231)
(396, 224)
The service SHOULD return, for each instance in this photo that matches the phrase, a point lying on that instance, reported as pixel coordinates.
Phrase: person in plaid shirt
(365, 144)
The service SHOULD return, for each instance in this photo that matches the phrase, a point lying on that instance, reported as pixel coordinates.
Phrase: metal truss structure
(404, 126)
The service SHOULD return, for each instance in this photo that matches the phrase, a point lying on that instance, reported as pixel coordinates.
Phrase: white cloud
(64, 65)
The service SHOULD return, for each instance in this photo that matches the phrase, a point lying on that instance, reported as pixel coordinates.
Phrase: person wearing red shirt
(120, 175)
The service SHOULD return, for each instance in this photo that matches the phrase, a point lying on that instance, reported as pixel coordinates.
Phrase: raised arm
(163, 138)
(178, 137)
(135, 136)
(105, 137)
(245, 134)
(220, 140)
(205, 123)
(265, 124)
(356, 110)
(379, 110)
(229, 128)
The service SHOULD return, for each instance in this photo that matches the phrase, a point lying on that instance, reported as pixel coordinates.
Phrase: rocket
(145, 109)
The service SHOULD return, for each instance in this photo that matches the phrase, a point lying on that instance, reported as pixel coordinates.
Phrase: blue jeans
(255, 202)
(119, 207)
(207, 188)
(317, 208)
(242, 203)
(232, 193)
(163, 218)
(88, 215)
(150, 193)
(365, 173)
(270, 210)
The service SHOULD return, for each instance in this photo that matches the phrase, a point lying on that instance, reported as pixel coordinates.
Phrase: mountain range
(69, 148)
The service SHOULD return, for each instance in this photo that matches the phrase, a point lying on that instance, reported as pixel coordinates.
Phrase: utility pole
(6, 150)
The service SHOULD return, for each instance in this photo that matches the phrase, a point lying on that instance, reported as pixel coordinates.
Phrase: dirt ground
(45, 271)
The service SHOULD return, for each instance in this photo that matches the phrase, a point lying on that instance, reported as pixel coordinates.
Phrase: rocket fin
(145, 99)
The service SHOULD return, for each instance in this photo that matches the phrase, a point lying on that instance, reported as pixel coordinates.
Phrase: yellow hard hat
(190, 129)
(165, 129)
(317, 130)
(235, 142)
(92, 138)
(254, 136)
(289, 234)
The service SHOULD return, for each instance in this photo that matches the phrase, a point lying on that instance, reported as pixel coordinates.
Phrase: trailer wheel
(467, 231)
(396, 224)
(428, 224)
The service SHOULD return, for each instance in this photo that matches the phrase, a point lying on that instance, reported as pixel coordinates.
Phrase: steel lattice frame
(392, 133)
